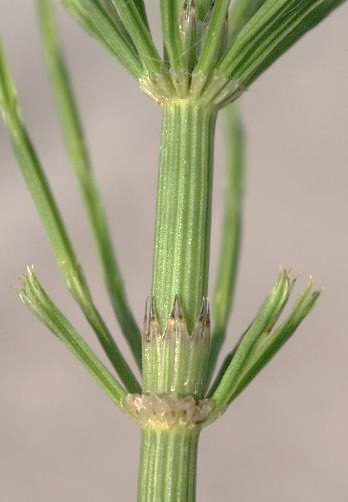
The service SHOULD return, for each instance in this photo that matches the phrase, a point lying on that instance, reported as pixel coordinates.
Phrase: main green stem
(168, 465)
(168, 460)
(183, 214)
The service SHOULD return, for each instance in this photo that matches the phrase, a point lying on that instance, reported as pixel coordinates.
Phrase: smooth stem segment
(182, 232)
(168, 465)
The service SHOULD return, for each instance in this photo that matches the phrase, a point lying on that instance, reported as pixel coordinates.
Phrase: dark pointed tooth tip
(176, 312)
(174, 308)
(188, 3)
(207, 306)
(204, 312)
(152, 309)
(146, 308)
(203, 306)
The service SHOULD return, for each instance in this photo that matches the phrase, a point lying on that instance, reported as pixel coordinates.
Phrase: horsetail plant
(213, 51)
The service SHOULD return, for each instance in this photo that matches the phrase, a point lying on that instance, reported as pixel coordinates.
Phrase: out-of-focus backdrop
(285, 438)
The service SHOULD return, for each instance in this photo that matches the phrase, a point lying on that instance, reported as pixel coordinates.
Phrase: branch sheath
(182, 232)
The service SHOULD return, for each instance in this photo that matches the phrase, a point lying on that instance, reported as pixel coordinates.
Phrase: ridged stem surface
(182, 232)
(168, 465)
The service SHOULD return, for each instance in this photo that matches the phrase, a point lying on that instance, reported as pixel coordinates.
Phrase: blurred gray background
(285, 437)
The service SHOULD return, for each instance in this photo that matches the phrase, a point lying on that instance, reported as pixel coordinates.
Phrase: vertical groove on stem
(182, 232)
(168, 465)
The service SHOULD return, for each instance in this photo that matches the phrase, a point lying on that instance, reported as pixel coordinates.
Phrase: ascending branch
(275, 27)
(80, 161)
(260, 342)
(139, 33)
(97, 23)
(171, 34)
(53, 222)
(36, 299)
(212, 37)
(231, 232)
(241, 12)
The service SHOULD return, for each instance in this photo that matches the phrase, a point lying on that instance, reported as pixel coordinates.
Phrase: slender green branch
(212, 38)
(52, 220)
(241, 12)
(36, 299)
(275, 27)
(110, 10)
(188, 22)
(231, 231)
(203, 8)
(140, 34)
(96, 21)
(263, 322)
(80, 161)
(142, 11)
(269, 344)
(171, 33)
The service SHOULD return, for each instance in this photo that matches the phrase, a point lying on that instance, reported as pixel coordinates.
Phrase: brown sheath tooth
(205, 311)
(206, 336)
(202, 312)
(176, 312)
(152, 309)
(154, 327)
(170, 328)
(202, 324)
(207, 318)
(146, 319)
(176, 325)
(151, 329)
